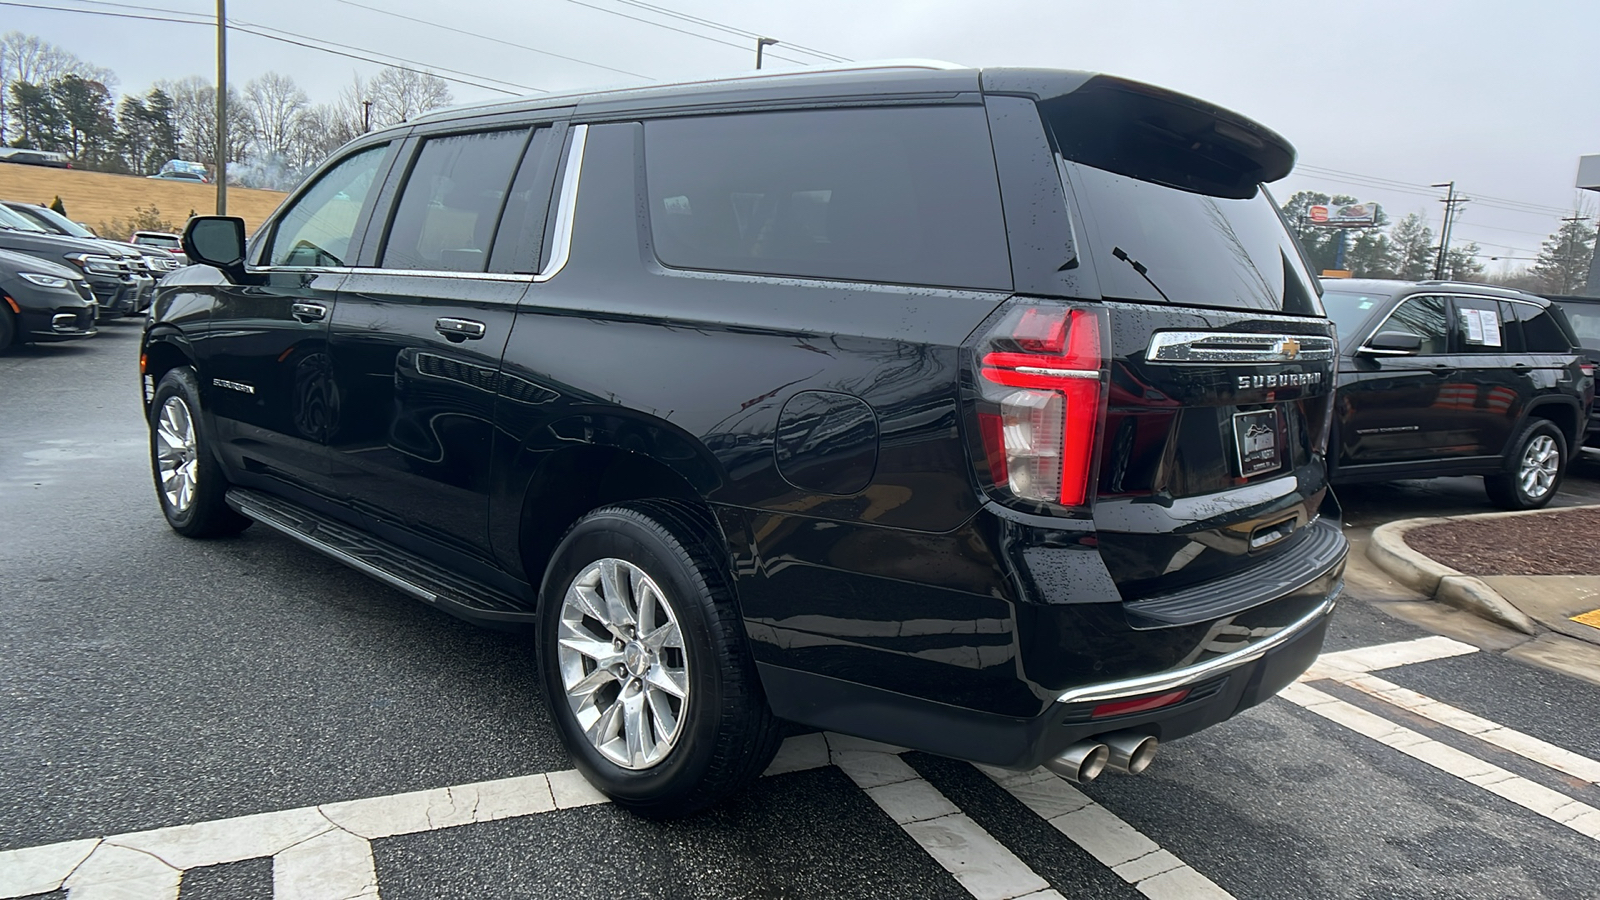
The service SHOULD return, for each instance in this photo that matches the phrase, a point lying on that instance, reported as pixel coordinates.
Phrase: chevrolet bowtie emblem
(1289, 348)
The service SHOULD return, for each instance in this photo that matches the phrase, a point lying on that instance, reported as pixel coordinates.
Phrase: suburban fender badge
(234, 386)
(1292, 379)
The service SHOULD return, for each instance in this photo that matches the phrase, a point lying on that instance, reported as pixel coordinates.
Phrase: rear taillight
(1041, 374)
(1587, 369)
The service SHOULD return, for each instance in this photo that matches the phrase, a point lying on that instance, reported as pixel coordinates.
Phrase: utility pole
(763, 42)
(222, 107)
(366, 116)
(1449, 202)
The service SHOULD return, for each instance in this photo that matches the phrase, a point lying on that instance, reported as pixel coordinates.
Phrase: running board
(434, 585)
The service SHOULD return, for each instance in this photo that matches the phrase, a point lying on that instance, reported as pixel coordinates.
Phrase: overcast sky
(1501, 97)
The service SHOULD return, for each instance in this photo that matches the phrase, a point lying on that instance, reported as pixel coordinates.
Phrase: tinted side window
(1512, 331)
(521, 233)
(897, 195)
(1585, 321)
(317, 230)
(1424, 317)
(1478, 326)
(1541, 331)
(446, 216)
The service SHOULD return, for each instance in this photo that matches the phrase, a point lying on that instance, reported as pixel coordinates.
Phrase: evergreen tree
(40, 125)
(85, 107)
(1414, 250)
(1461, 263)
(1563, 264)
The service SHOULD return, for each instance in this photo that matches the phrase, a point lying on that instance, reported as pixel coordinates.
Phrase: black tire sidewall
(200, 519)
(8, 329)
(607, 534)
(1512, 481)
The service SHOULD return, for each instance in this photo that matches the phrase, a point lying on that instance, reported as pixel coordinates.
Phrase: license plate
(1256, 442)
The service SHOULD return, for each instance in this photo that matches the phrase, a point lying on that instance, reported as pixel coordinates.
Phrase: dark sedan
(42, 301)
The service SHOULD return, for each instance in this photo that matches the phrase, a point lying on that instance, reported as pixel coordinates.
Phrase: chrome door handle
(460, 329)
(309, 312)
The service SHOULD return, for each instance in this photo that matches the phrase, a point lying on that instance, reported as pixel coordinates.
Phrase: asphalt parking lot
(153, 683)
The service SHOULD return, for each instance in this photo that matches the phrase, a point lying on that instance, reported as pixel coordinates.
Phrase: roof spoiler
(1151, 133)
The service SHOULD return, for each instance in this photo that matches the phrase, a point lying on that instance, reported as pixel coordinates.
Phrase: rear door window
(1477, 326)
(451, 202)
(896, 195)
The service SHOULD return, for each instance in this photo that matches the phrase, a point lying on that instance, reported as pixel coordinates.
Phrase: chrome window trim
(1164, 681)
(566, 210)
(1180, 348)
(561, 251)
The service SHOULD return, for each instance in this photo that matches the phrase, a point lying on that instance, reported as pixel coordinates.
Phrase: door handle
(460, 329)
(309, 312)
(1443, 371)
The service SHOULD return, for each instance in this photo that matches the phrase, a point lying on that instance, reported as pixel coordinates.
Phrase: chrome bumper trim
(1166, 681)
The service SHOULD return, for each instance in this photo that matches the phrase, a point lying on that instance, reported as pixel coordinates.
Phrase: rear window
(901, 195)
(1165, 245)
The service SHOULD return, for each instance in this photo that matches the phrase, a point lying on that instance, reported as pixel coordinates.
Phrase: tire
(190, 485)
(8, 329)
(603, 674)
(1538, 462)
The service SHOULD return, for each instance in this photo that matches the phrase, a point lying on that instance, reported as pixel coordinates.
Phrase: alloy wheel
(623, 663)
(177, 458)
(1541, 463)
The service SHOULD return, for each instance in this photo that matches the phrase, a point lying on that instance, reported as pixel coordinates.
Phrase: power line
(487, 37)
(248, 28)
(709, 23)
(693, 34)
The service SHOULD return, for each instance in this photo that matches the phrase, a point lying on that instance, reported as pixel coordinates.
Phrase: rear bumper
(1219, 689)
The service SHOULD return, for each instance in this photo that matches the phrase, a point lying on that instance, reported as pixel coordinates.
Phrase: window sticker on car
(1491, 327)
(1483, 326)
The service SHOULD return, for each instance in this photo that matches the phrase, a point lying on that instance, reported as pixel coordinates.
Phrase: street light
(763, 42)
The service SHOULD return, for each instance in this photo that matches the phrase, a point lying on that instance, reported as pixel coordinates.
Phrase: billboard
(1349, 215)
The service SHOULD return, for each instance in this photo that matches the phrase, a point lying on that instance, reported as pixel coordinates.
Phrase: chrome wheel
(623, 664)
(177, 459)
(1541, 463)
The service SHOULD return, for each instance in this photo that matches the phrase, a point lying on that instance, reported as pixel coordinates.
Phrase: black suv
(1445, 378)
(976, 412)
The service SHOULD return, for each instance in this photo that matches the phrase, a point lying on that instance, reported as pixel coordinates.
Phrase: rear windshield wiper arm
(1144, 273)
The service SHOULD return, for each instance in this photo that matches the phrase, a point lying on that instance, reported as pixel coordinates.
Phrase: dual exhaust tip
(1126, 752)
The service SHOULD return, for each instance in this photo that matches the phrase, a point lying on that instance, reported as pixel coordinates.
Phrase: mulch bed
(1559, 542)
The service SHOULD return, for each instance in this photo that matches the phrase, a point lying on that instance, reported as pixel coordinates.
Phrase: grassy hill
(102, 201)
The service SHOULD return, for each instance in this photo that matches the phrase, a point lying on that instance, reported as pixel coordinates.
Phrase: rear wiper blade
(1144, 273)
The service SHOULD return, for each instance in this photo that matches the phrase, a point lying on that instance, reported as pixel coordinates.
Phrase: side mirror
(217, 241)
(1392, 343)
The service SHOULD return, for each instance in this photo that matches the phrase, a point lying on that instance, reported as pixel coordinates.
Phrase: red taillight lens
(1587, 369)
(1042, 368)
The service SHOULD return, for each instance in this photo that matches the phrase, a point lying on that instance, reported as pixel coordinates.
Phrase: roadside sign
(1349, 215)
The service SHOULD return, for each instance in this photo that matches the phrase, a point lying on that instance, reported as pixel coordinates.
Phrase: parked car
(787, 416)
(35, 157)
(153, 261)
(42, 301)
(1584, 315)
(1446, 378)
(162, 240)
(195, 177)
(115, 275)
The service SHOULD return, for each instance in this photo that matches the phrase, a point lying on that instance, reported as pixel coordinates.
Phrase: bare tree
(194, 116)
(276, 105)
(400, 95)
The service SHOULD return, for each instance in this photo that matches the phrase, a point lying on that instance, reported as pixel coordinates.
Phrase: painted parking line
(1385, 656)
(1118, 846)
(1534, 797)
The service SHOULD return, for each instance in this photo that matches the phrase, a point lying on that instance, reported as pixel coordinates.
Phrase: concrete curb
(1390, 552)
